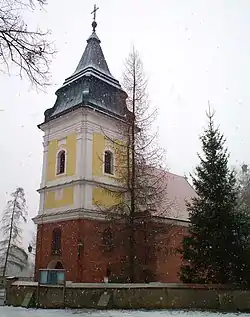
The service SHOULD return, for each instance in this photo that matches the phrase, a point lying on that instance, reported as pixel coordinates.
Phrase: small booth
(51, 278)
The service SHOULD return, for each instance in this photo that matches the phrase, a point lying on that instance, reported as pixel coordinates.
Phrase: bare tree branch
(30, 52)
(140, 184)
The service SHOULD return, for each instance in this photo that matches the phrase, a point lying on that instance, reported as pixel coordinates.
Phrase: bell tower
(77, 161)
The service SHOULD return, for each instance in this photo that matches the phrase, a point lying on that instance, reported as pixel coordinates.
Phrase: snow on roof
(176, 191)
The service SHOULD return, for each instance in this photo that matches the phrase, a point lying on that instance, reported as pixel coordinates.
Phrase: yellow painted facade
(104, 198)
(97, 155)
(121, 158)
(100, 143)
(67, 198)
(100, 196)
(53, 148)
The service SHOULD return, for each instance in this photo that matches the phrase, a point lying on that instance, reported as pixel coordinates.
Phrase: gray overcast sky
(193, 51)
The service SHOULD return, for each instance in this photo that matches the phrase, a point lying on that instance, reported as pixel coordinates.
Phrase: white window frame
(113, 162)
(66, 158)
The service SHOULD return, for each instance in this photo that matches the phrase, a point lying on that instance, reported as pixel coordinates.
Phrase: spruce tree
(13, 257)
(217, 247)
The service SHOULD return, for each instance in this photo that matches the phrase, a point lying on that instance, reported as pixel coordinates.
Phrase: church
(72, 232)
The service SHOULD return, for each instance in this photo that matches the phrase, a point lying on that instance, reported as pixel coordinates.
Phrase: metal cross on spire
(94, 11)
(94, 24)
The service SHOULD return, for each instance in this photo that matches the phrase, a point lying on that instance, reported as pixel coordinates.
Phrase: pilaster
(41, 203)
(79, 152)
(45, 161)
(87, 174)
(88, 154)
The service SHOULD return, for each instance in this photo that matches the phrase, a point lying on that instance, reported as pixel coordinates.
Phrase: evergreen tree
(12, 255)
(217, 247)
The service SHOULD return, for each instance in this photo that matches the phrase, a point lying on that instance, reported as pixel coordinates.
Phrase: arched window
(108, 239)
(56, 241)
(108, 162)
(61, 162)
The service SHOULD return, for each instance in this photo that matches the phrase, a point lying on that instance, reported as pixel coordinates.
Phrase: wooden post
(38, 295)
(64, 291)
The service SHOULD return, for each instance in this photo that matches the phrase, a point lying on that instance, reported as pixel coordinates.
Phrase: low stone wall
(134, 296)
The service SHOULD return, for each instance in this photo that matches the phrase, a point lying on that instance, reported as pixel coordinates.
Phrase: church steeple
(93, 61)
(91, 84)
(93, 57)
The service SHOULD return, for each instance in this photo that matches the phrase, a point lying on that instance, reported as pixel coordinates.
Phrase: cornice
(81, 119)
(74, 214)
(79, 182)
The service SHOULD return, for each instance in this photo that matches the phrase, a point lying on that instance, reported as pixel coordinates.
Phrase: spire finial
(94, 24)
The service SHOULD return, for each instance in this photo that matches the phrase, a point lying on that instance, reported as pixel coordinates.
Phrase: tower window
(108, 162)
(108, 239)
(56, 241)
(61, 162)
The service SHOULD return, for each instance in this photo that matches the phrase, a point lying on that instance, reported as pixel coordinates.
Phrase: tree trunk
(132, 207)
(10, 237)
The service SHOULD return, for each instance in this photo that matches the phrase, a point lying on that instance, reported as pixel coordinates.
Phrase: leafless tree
(29, 50)
(11, 252)
(140, 190)
(243, 182)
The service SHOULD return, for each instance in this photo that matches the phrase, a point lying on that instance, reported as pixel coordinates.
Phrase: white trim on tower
(45, 162)
(82, 122)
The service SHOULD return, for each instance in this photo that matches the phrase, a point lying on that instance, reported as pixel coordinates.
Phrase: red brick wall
(91, 265)
(153, 250)
(68, 257)
(168, 259)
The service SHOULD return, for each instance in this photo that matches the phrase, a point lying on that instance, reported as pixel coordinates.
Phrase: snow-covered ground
(22, 312)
